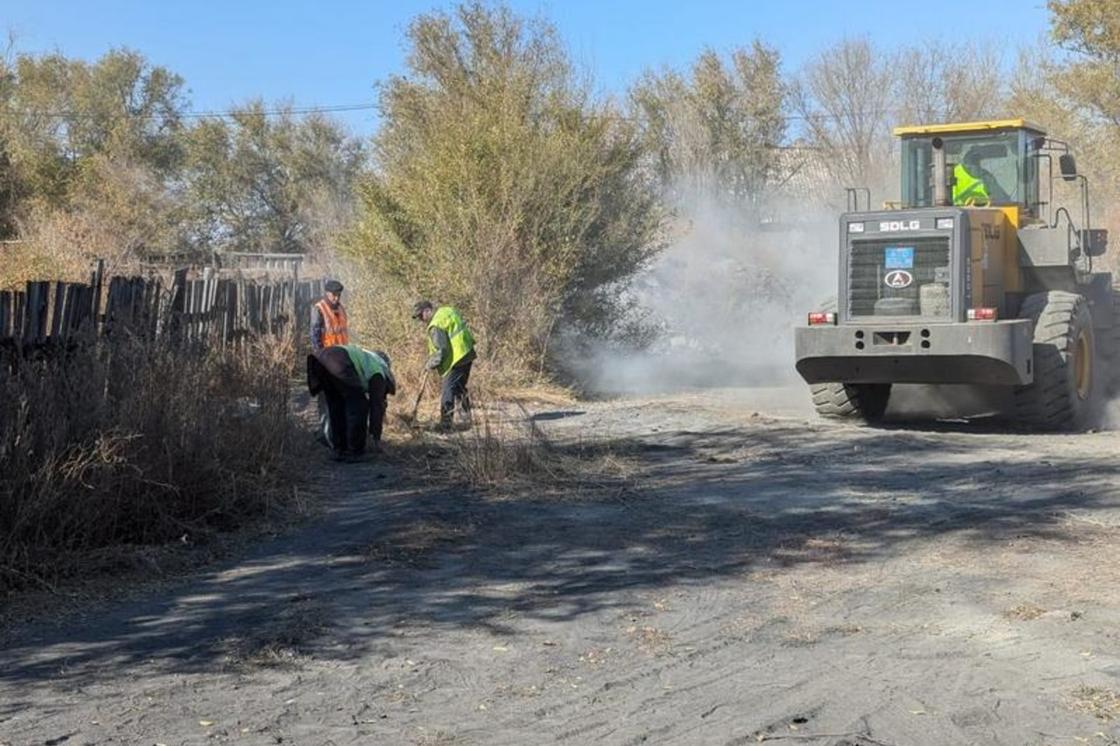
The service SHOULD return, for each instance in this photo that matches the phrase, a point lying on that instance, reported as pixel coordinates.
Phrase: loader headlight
(855, 227)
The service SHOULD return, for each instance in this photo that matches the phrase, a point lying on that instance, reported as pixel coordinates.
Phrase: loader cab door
(1002, 160)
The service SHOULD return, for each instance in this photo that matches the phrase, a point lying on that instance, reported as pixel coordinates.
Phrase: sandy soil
(755, 576)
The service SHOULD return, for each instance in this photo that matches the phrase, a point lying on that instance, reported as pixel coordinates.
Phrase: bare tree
(948, 82)
(843, 98)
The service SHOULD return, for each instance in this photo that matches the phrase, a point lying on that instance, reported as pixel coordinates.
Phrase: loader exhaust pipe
(940, 175)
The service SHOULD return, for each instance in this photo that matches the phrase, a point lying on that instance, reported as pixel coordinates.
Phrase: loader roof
(963, 127)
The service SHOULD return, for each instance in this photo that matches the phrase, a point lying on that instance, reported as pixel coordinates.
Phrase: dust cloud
(725, 295)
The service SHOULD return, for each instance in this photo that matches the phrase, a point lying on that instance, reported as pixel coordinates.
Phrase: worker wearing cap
(450, 353)
(329, 327)
(355, 383)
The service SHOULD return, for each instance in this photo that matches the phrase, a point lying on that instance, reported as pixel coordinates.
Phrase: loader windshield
(998, 159)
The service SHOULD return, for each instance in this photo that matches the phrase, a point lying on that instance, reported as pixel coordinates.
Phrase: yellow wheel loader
(981, 275)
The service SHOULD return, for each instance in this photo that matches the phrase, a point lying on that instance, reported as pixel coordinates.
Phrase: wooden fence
(186, 310)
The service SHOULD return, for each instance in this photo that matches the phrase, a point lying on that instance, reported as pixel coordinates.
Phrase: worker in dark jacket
(355, 383)
(451, 354)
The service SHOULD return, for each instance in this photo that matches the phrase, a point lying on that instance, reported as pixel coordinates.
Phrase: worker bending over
(355, 383)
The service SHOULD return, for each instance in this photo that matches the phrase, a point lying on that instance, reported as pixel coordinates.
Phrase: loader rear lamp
(819, 318)
(981, 314)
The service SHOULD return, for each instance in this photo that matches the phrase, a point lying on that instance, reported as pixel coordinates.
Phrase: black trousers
(352, 409)
(354, 412)
(348, 408)
(378, 395)
(455, 390)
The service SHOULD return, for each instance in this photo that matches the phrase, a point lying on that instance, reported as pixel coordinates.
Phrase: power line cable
(212, 114)
(339, 108)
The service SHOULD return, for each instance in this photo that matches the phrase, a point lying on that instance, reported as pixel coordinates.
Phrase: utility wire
(214, 114)
(336, 108)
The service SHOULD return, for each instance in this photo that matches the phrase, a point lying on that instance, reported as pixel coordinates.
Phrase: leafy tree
(502, 186)
(266, 183)
(62, 112)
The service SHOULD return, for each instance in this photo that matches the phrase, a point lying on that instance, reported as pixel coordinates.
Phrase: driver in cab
(972, 183)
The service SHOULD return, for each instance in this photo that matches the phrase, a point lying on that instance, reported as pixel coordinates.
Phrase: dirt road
(758, 577)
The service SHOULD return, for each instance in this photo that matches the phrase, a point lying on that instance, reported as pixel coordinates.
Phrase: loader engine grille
(899, 277)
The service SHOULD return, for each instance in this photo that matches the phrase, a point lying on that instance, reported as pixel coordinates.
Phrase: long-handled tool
(411, 418)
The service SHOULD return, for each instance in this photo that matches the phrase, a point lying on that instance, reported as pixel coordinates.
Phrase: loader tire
(864, 402)
(1068, 385)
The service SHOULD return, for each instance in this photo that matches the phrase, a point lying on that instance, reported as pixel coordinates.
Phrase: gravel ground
(736, 573)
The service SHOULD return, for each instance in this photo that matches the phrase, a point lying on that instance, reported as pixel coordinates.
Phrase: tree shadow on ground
(700, 507)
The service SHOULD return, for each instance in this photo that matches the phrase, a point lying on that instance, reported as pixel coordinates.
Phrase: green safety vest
(462, 341)
(368, 364)
(967, 189)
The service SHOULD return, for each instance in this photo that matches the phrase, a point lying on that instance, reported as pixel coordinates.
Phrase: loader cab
(1000, 153)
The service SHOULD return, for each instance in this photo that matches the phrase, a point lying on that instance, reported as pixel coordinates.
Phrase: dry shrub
(25, 261)
(127, 443)
(381, 319)
(60, 245)
(380, 312)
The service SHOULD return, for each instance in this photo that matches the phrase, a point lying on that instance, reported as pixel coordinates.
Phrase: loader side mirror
(1094, 241)
(1067, 166)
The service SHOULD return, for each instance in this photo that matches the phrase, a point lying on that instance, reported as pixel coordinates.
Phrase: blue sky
(325, 53)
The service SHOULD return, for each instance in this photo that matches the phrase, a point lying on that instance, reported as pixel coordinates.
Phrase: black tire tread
(1047, 404)
(848, 401)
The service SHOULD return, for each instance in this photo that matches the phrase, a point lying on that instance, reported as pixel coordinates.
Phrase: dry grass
(412, 544)
(1103, 704)
(506, 454)
(283, 641)
(121, 445)
(1024, 613)
(650, 640)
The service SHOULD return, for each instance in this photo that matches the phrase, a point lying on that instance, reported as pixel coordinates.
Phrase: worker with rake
(451, 354)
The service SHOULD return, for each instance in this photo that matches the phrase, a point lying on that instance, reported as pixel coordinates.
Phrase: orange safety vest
(335, 329)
